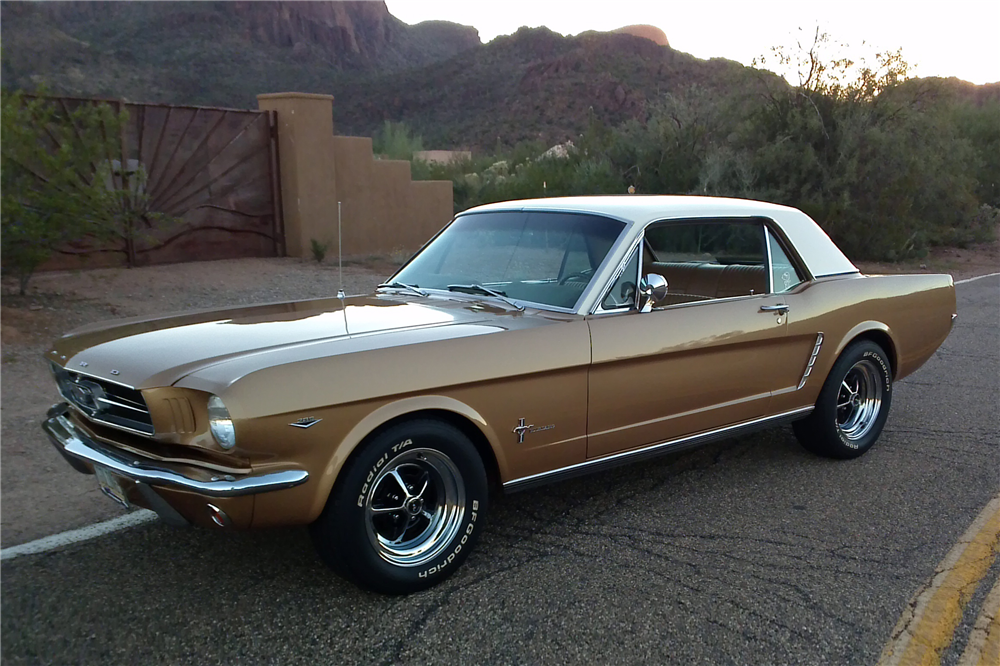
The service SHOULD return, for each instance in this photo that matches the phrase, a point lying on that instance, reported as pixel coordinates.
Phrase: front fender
(395, 410)
(325, 459)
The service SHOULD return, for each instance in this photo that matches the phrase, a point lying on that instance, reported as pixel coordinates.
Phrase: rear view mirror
(652, 291)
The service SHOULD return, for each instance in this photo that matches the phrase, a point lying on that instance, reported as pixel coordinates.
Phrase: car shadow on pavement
(154, 592)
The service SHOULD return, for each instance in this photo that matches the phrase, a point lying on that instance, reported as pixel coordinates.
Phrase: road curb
(927, 626)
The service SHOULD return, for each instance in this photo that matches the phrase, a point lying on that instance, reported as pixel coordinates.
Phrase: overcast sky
(953, 38)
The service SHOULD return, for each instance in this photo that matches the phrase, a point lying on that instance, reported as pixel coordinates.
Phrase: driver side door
(707, 358)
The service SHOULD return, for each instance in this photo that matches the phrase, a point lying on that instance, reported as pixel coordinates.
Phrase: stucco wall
(383, 210)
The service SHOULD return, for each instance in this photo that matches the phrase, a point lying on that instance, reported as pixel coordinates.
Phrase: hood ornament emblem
(86, 395)
(305, 422)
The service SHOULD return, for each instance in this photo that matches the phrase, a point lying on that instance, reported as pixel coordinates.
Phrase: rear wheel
(852, 406)
(406, 510)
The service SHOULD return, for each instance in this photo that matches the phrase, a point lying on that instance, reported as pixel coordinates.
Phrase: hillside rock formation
(534, 85)
(650, 32)
(350, 35)
(354, 30)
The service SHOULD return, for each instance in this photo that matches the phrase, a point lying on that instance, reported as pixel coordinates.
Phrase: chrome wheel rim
(415, 507)
(859, 400)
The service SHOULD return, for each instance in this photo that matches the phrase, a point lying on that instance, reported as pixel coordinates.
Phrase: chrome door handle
(780, 308)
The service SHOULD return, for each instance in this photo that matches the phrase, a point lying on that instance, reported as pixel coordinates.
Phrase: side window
(784, 275)
(622, 293)
(709, 259)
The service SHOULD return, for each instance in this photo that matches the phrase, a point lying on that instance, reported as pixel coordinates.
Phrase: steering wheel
(580, 276)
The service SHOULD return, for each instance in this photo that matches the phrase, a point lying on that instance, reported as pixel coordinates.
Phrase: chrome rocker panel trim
(78, 448)
(663, 448)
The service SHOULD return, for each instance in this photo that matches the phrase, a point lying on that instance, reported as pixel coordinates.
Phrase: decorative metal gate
(209, 178)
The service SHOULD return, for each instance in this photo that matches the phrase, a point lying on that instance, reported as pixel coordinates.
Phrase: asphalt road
(750, 551)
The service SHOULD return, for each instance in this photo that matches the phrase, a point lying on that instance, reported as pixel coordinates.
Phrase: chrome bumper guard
(78, 448)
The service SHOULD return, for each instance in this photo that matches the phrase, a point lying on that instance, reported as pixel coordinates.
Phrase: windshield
(538, 257)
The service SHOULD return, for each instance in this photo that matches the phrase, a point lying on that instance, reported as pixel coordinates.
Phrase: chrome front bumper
(81, 450)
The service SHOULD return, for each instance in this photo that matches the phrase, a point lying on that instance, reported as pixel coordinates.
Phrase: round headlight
(221, 423)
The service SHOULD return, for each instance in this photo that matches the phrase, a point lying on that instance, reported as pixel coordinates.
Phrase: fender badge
(520, 429)
(305, 422)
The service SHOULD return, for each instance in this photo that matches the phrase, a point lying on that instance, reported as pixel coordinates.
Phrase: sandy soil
(962, 263)
(39, 493)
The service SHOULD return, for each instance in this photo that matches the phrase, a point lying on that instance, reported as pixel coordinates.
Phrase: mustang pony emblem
(86, 395)
(520, 429)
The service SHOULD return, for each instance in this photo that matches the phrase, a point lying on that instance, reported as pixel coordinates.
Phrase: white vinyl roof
(821, 256)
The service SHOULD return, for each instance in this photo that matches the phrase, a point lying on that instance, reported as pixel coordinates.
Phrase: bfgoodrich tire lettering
(406, 510)
(852, 406)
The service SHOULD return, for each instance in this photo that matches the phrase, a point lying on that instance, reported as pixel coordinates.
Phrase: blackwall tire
(853, 404)
(406, 510)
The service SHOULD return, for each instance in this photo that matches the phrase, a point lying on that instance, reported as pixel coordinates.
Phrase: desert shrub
(883, 172)
(981, 227)
(979, 124)
(396, 141)
(318, 250)
(56, 169)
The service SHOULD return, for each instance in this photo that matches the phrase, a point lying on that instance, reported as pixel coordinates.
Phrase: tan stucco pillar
(307, 162)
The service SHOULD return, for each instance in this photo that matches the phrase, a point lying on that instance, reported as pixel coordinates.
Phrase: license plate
(111, 485)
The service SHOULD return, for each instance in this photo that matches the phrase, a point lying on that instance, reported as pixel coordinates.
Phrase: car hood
(149, 352)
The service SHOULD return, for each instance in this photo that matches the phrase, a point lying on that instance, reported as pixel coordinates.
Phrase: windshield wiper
(480, 289)
(402, 285)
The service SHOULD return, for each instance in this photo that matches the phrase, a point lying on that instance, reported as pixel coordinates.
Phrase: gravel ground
(60, 301)
(961, 263)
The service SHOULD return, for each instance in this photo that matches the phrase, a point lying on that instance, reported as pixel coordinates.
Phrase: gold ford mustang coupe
(529, 341)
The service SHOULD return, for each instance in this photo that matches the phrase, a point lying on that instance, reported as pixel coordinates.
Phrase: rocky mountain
(535, 85)
(436, 76)
(360, 33)
(214, 53)
(354, 35)
(650, 32)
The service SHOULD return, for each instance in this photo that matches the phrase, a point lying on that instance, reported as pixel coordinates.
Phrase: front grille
(105, 402)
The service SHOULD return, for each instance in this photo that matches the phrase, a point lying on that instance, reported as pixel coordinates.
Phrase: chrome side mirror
(652, 291)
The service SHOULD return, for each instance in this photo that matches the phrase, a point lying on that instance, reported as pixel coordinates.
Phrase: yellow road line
(983, 648)
(928, 624)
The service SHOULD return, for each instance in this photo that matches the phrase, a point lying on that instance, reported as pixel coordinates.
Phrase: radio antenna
(340, 254)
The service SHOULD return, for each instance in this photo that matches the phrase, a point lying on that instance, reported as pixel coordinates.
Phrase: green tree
(124, 210)
(979, 124)
(881, 170)
(55, 171)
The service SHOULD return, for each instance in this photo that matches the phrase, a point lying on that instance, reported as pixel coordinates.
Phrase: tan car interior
(691, 278)
(691, 281)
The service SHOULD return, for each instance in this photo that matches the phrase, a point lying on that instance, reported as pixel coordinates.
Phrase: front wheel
(852, 406)
(406, 510)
